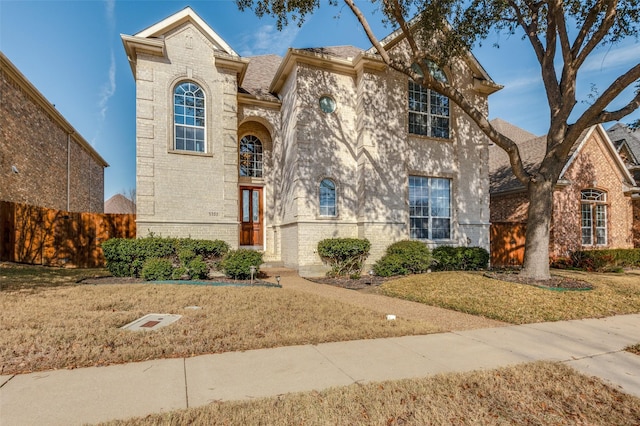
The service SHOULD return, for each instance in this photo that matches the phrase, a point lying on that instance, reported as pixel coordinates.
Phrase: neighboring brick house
(627, 142)
(279, 153)
(592, 203)
(43, 161)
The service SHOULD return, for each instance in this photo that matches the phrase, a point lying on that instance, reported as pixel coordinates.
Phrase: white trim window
(429, 208)
(327, 197)
(251, 157)
(593, 217)
(189, 117)
(428, 110)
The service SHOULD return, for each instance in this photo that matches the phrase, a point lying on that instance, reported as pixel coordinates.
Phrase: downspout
(68, 170)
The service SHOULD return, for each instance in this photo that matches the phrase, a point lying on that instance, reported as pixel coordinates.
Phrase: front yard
(473, 293)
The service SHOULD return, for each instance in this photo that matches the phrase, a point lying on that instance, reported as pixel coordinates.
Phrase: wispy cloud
(110, 6)
(267, 39)
(527, 81)
(109, 88)
(612, 58)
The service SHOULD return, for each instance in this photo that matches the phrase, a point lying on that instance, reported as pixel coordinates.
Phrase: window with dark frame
(250, 157)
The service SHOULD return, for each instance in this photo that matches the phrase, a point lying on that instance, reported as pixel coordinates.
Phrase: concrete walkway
(90, 395)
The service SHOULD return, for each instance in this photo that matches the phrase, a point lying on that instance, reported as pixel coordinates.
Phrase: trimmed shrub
(447, 258)
(198, 268)
(179, 272)
(237, 263)
(157, 269)
(126, 257)
(606, 260)
(403, 258)
(345, 256)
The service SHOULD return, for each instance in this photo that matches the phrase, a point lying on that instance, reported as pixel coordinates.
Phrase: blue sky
(72, 52)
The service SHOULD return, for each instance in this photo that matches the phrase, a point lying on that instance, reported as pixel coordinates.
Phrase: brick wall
(34, 142)
(593, 168)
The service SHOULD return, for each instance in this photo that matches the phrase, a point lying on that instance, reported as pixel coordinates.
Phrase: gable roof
(511, 131)
(119, 204)
(482, 81)
(532, 152)
(151, 41)
(621, 135)
(260, 73)
(186, 15)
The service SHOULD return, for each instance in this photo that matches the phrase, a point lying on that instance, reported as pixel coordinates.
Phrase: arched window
(250, 156)
(428, 110)
(593, 216)
(327, 196)
(189, 117)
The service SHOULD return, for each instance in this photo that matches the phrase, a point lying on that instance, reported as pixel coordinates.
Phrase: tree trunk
(536, 249)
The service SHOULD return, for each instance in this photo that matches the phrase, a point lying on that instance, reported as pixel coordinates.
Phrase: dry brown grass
(472, 293)
(540, 393)
(18, 277)
(78, 326)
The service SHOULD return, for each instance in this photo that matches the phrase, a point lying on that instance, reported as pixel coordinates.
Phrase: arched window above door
(250, 157)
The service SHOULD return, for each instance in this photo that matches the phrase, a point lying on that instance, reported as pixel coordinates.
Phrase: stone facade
(364, 146)
(43, 161)
(596, 165)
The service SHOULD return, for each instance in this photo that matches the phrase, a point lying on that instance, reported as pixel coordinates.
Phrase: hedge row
(600, 260)
(345, 256)
(157, 258)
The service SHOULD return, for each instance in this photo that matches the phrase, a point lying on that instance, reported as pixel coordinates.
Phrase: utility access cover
(151, 322)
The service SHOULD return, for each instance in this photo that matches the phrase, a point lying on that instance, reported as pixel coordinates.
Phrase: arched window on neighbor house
(593, 216)
(250, 157)
(189, 117)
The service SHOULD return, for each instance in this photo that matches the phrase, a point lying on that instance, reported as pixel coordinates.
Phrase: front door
(251, 216)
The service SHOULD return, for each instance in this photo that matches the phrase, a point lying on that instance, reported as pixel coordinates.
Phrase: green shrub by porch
(157, 269)
(605, 259)
(403, 258)
(126, 257)
(237, 263)
(345, 256)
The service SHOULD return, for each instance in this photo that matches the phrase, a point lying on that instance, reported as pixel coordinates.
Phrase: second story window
(189, 117)
(428, 110)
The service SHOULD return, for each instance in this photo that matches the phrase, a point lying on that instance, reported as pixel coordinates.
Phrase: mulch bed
(555, 283)
(134, 280)
(362, 283)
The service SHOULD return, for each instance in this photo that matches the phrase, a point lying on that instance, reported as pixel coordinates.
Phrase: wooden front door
(251, 217)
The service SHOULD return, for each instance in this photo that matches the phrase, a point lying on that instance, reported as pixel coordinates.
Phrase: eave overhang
(233, 63)
(250, 100)
(134, 46)
(349, 66)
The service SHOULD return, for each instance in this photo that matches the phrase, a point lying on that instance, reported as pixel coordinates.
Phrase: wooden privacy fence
(41, 236)
(507, 243)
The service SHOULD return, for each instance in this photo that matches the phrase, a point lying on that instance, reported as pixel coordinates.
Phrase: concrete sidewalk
(90, 395)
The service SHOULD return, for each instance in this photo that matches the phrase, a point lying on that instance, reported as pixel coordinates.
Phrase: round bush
(157, 269)
(344, 255)
(237, 263)
(198, 268)
(402, 258)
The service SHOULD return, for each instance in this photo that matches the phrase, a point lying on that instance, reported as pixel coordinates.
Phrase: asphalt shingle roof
(260, 73)
(619, 133)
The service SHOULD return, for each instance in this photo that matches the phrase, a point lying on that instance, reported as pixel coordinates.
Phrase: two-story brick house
(279, 153)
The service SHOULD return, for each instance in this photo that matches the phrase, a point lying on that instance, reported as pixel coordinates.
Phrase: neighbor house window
(327, 198)
(189, 117)
(429, 208)
(428, 110)
(250, 157)
(593, 213)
